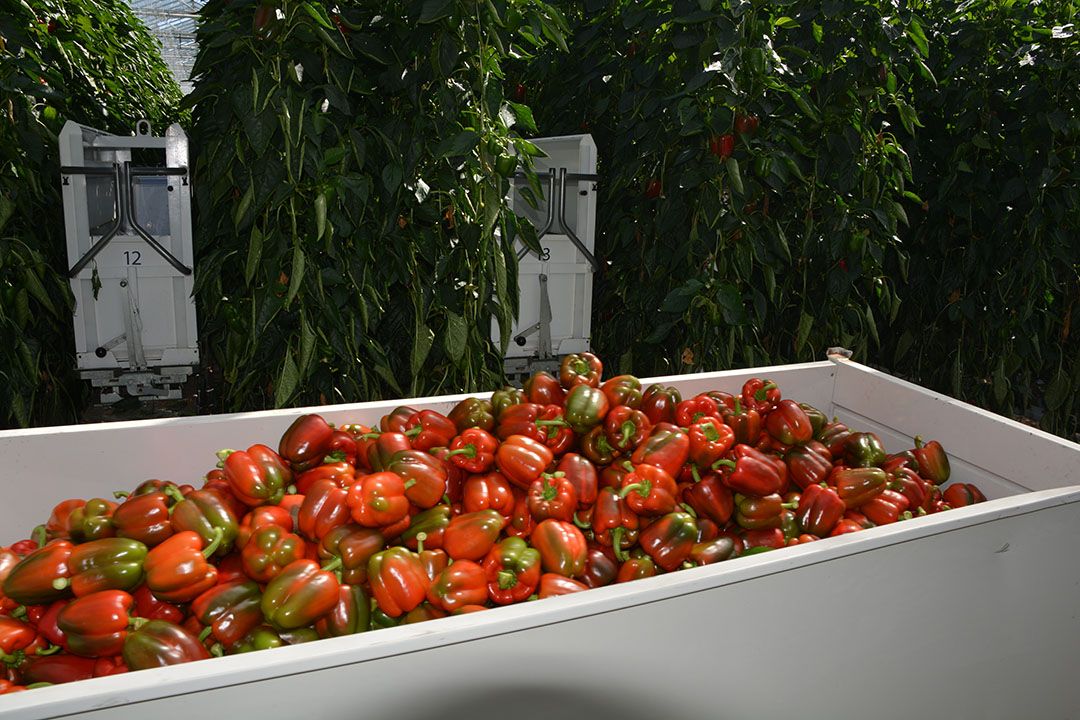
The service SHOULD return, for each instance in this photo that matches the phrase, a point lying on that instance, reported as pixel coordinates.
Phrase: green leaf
(819, 33)
(734, 175)
(255, 246)
(802, 332)
(871, 326)
(915, 32)
(288, 379)
(422, 341)
(458, 144)
(457, 336)
(318, 15)
(297, 274)
(1058, 391)
(433, 10)
(35, 288)
(245, 203)
(320, 215)
(307, 344)
(524, 116)
(786, 22)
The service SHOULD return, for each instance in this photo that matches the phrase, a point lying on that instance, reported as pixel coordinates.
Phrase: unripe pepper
(107, 564)
(670, 540)
(269, 550)
(586, 407)
(145, 518)
(513, 571)
(299, 595)
(159, 643)
(962, 495)
(351, 615)
(623, 390)
(231, 610)
(932, 460)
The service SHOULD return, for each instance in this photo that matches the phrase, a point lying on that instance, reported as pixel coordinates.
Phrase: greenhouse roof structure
(173, 23)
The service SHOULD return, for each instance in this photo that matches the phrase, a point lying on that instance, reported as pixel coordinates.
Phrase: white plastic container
(973, 613)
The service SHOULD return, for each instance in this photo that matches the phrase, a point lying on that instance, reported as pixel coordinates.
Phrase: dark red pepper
(306, 442)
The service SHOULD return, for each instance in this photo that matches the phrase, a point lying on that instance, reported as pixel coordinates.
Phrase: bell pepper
(846, 526)
(710, 498)
(659, 403)
(159, 643)
(561, 545)
(462, 583)
(667, 449)
(353, 545)
(473, 413)
(544, 389)
(596, 447)
(745, 423)
(834, 436)
(820, 509)
(299, 595)
(612, 475)
(230, 611)
(903, 459)
(710, 439)
(378, 500)
(696, 409)
(96, 625)
(962, 495)
(58, 526)
(56, 669)
(522, 459)
(907, 482)
(521, 420)
(756, 473)
(342, 448)
(670, 539)
(206, 512)
(512, 571)
(144, 518)
(257, 476)
(714, 551)
(261, 517)
(521, 520)
(398, 581)
(474, 450)
(863, 450)
(351, 614)
(490, 491)
(270, 549)
(177, 570)
(582, 475)
(472, 535)
(857, 485)
(15, 637)
(580, 369)
(886, 507)
(325, 507)
(757, 512)
(764, 538)
(396, 420)
(614, 524)
(429, 429)
(623, 390)
(638, 566)
(384, 448)
(149, 607)
(807, 467)
(554, 584)
(106, 564)
(760, 394)
(433, 561)
(553, 496)
(92, 521)
(625, 428)
(306, 442)
(933, 462)
(42, 576)
(649, 490)
(504, 398)
(586, 407)
(817, 419)
(432, 523)
(789, 424)
(423, 612)
(600, 568)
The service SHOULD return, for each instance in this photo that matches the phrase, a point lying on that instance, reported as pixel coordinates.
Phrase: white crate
(568, 273)
(969, 613)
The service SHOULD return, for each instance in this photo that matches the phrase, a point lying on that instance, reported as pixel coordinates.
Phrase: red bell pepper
(269, 550)
(962, 495)
(230, 611)
(428, 526)
(561, 545)
(807, 467)
(625, 428)
(325, 507)
(58, 526)
(42, 576)
(553, 496)
(144, 518)
(580, 369)
(659, 403)
(638, 566)
(817, 419)
(710, 439)
(106, 564)
(614, 524)
(907, 482)
(342, 448)
(745, 423)
(425, 476)
(857, 485)
(521, 521)
(384, 448)
(395, 421)
(886, 507)
(15, 637)
(649, 490)
(490, 491)
(586, 407)
(863, 450)
(463, 583)
(757, 512)
(474, 450)
(429, 429)
(667, 449)
(351, 615)
(710, 498)
(834, 436)
(714, 551)
(56, 669)
(612, 475)
(756, 473)
(845, 526)
(820, 509)
(299, 595)
(472, 535)
(433, 561)
(353, 545)
(582, 475)
(553, 584)
(257, 476)
(600, 568)
(341, 473)
(763, 538)
(306, 442)
(149, 607)
(512, 570)
(261, 517)
(398, 581)
(670, 539)
(473, 413)
(595, 447)
(504, 398)
(522, 459)
(378, 500)
(521, 420)
(97, 624)
(177, 570)
(159, 643)
(695, 409)
(623, 390)
(542, 388)
(933, 462)
(789, 424)
(207, 512)
(760, 394)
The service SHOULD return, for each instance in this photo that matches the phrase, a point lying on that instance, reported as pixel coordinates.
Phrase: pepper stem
(616, 543)
(738, 406)
(506, 579)
(409, 483)
(918, 442)
(217, 650)
(789, 506)
(626, 431)
(689, 510)
(171, 491)
(370, 435)
(206, 633)
(642, 488)
(580, 524)
(695, 473)
(723, 462)
(413, 431)
(552, 423)
(121, 495)
(214, 544)
(420, 538)
(710, 431)
(39, 535)
(137, 622)
(333, 564)
(53, 649)
(222, 455)
(60, 583)
(468, 451)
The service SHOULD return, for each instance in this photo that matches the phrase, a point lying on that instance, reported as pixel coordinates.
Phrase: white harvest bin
(972, 613)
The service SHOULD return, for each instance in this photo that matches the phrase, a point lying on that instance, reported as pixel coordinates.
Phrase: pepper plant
(354, 239)
(88, 61)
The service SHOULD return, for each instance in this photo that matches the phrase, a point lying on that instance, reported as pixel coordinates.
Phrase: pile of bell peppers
(568, 484)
